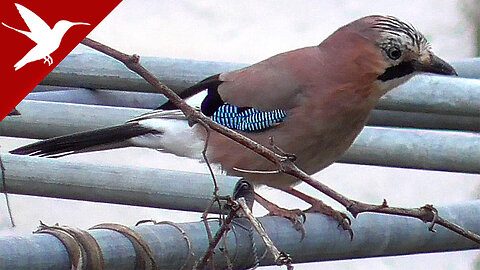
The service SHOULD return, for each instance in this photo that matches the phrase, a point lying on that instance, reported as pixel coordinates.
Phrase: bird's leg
(275, 210)
(320, 207)
(48, 59)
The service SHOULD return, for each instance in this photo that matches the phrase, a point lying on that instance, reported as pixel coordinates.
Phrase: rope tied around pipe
(83, 250)
(145, 259)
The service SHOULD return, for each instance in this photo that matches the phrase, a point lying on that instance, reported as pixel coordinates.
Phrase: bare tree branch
(284, 163)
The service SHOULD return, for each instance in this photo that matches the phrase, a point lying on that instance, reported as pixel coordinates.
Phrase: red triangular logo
(36, 36)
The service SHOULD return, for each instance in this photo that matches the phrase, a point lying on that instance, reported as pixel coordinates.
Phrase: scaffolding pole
(395, 147)
(375, 235)
(416, 149)
(423, 120)
(112, 184)
(423, 93)
(98, 71)
(40, 120)
(435, 94)
(100, 97)
(468, 68)
(152, 101)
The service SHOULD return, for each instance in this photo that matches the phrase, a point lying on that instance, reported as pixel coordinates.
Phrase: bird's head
(63, 25)
(388, 50)
(405, 51)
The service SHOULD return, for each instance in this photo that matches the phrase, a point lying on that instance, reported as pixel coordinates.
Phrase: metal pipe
(97, 71)
(467, 68)
(418, 149)
(410, 148)
(111, 184)
(435, 94)
(101, 97)
(375, 235)
(152, 101)
(424, 93)
(423, 120)
(41, 120)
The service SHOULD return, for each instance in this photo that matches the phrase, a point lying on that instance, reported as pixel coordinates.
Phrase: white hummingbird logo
(47, 39)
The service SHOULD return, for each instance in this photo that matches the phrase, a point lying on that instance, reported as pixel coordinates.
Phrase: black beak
(435, 65)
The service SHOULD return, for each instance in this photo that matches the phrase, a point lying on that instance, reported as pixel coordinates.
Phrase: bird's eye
(394, 53)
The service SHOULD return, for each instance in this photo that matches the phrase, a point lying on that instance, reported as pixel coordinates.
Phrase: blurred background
(246, 32)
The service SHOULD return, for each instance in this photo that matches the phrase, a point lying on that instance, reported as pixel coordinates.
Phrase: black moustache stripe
(397, 71)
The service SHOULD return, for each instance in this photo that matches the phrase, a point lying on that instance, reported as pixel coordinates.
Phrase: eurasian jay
(313, 102)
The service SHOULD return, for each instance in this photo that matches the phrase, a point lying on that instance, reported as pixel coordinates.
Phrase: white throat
(386, 86)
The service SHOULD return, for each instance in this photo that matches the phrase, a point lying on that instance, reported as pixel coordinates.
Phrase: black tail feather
(94, 140)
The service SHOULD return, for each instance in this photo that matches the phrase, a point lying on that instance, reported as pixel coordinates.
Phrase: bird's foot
(343, 220)
(296, 216)
(292, 215)
(48, 59)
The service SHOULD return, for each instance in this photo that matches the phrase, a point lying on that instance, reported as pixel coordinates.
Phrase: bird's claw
(293, 215)
(345, 222)
(343, 219)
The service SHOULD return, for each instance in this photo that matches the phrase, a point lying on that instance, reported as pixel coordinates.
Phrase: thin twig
(209, 166)
(218, 236)
(204, 154)
(285, 164)
(215, 197)
(209, 254)
(280, 258)
(224, 250)
(5, 192)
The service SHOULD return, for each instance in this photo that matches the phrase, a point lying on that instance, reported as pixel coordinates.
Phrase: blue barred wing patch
(247, 119)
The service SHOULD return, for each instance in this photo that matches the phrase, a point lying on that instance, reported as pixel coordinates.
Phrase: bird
(47, 39)
(311, 102)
